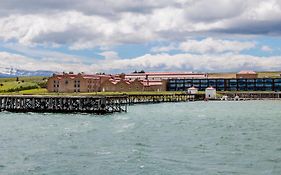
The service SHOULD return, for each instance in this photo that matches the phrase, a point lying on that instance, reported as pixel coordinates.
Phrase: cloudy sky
(153, 35)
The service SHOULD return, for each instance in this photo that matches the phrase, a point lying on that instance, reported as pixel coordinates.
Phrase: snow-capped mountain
(12, 72)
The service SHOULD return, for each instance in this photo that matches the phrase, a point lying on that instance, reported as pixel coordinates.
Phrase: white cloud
(191, 62)
(168, 48)
(45, 55)
(110, 55)
(84, 25)
(104, 24)
(207, 45)
(266, 48)
(150, 62)
(210, 45)
(18, 61)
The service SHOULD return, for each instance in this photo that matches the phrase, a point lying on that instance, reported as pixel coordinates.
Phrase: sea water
(169, 138)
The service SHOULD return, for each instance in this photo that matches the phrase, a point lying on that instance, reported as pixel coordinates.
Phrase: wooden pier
(158, 98)
(85, 104)
(63, 104)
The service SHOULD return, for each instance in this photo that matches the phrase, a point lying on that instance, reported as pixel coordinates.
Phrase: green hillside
(11, 85)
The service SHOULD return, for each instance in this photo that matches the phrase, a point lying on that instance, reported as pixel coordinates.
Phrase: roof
(164, 73)
(246, 72)
(86, 76)
(152, 83)
(193, 88)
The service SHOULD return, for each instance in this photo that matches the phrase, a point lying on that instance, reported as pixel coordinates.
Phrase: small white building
(210, 93)
(192, 90)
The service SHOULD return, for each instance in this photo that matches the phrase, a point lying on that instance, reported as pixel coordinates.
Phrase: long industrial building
(228, 84)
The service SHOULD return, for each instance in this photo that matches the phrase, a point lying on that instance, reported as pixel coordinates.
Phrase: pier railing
(157, 98)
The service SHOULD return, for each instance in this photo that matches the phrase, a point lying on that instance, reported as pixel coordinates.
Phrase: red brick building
(76, 82)
(246, 74)
(69, 83)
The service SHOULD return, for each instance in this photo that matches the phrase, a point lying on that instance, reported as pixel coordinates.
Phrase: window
(213, 84)
(180, 81)
(196, 81)
(179, 85)
(187, 81)
(220, 83)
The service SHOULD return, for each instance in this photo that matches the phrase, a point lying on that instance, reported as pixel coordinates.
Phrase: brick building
(122, 85)
(69, 83)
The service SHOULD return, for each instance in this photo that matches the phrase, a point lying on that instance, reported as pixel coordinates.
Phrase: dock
(158, 98)
(85, 104)
(63, 104)
(252, 95)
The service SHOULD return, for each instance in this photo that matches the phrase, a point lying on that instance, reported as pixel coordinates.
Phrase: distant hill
(12, 72)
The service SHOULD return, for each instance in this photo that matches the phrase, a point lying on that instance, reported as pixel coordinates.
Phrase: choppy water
(183, 138)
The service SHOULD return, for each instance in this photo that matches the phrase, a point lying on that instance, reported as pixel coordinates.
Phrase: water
(182, 138)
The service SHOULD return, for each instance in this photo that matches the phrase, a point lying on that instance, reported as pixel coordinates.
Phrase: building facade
(234, 84)
(69, 83)
(247, 74)
(122, 85)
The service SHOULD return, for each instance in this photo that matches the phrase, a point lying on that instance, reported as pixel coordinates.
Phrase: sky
(115, 36)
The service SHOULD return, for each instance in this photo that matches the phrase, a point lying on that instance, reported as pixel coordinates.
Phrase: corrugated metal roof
(247, 72)
(164, 73)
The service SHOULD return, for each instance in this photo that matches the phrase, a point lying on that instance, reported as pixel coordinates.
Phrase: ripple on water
(183, 138)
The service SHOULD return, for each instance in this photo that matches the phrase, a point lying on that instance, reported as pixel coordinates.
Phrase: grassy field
(11, 85)
(27, 79)
(224, 75)
(269, 74)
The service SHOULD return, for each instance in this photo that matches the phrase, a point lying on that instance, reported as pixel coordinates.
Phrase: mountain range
(13, 72)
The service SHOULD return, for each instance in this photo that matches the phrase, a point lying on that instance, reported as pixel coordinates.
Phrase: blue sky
(126, 35)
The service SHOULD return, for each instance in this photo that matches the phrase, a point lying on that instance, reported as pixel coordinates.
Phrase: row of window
(227, 84)
(268, 80)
